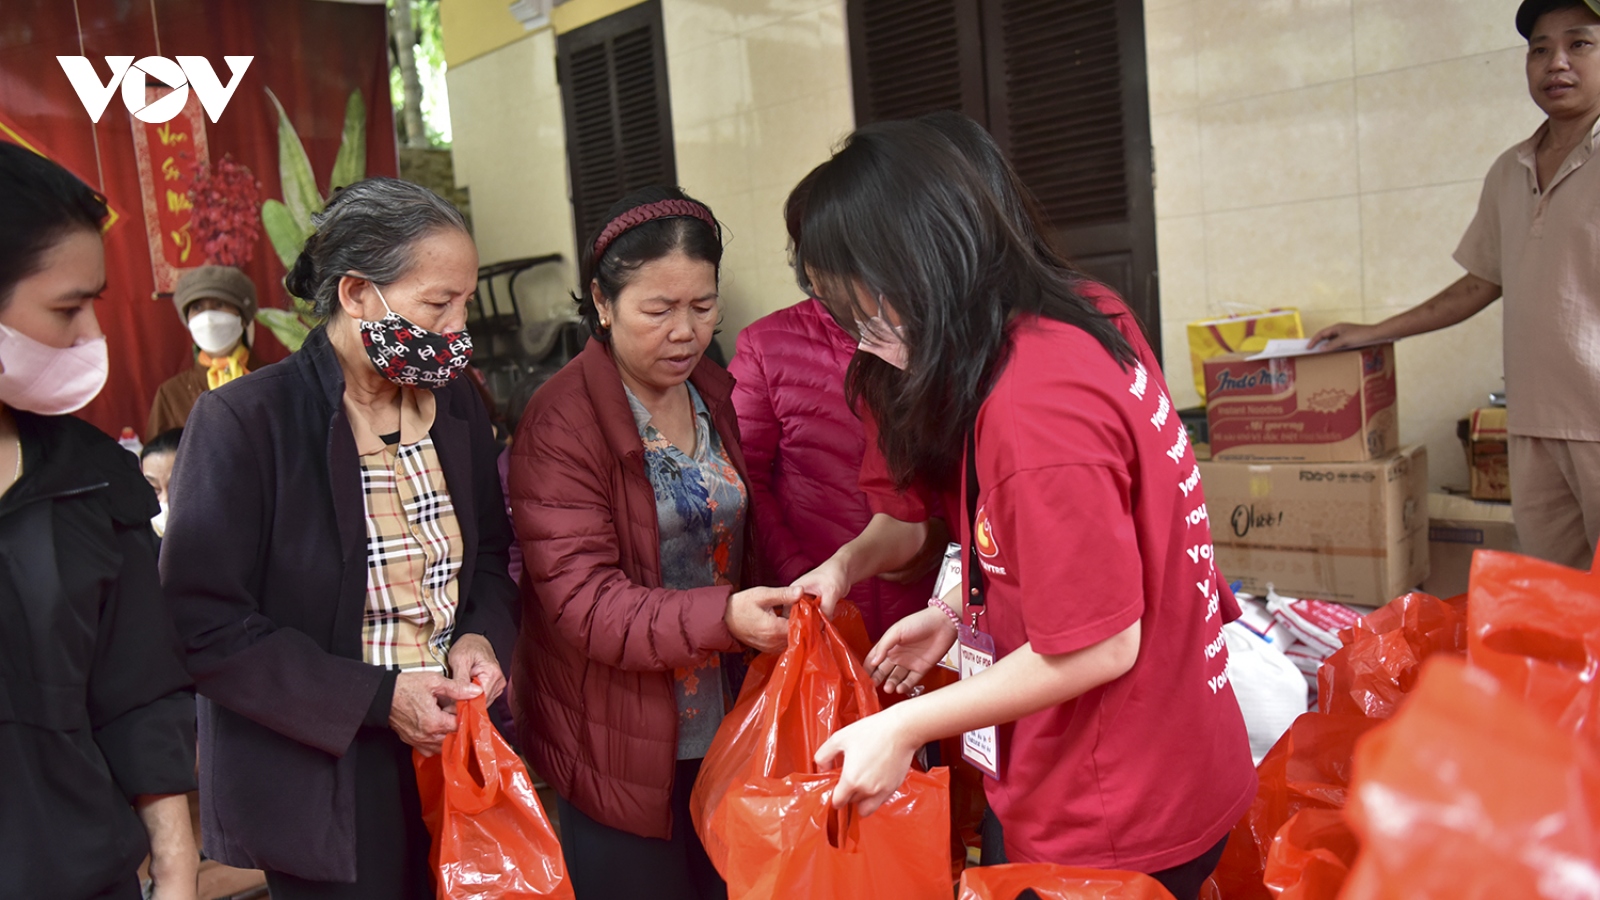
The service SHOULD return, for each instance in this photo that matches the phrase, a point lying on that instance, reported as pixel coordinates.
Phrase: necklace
(16, 476)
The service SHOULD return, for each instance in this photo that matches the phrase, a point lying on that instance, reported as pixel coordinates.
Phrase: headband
(661, 209)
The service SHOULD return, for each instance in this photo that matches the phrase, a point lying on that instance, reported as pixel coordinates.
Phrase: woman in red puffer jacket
(803, 447)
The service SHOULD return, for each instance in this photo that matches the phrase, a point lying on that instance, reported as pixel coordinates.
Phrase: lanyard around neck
(975, 580)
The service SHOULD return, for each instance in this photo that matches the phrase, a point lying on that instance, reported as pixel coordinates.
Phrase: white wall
(1327, 154)
(510, 150)
(760, 95)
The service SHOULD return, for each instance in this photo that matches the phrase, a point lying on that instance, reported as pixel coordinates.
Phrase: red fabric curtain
(310, 53)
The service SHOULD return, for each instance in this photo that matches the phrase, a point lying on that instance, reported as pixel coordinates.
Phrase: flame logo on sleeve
(983, 535)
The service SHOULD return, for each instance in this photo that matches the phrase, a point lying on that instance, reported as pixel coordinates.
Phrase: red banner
(310, 53)
(170, 155)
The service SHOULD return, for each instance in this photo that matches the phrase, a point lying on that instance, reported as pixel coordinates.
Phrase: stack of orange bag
(1456, 753)
(764, 810)
(1293, 842)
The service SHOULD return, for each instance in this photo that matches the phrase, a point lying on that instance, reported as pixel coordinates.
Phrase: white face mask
(216, 330)
(50, 381)
(886, 342)
(159, 520)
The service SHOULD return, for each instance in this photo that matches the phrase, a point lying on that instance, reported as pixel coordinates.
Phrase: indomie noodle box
(1310, 407)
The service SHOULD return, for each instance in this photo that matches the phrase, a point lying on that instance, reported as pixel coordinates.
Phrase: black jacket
(95, 706)
(264, 563)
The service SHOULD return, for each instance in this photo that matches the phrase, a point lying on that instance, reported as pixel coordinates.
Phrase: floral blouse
(700, 506)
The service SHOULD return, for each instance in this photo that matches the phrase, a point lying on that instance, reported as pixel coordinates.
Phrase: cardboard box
(1457, 528)
(1487, 456)
(1323, 407)
(1351, 532)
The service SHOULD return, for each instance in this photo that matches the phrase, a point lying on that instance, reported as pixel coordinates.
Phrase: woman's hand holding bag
(491, 839)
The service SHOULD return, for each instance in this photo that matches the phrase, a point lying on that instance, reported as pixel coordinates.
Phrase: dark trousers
(607, 863)
(1182, 881)
(127, 889)
(391, 840)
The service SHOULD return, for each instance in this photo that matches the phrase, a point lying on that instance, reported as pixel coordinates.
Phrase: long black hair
(43, 203)
(902, 213)
(644, 243)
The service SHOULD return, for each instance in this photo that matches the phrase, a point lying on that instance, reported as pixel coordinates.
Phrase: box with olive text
(1352, 532)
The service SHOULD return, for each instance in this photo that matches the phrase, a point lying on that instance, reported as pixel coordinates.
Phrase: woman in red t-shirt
(1106, 715)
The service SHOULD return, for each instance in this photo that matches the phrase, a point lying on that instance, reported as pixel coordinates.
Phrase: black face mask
(410, 355)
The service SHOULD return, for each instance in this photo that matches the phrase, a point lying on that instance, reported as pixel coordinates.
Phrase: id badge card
(980, 747)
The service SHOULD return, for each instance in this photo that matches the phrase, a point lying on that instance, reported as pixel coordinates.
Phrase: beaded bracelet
(936, 603)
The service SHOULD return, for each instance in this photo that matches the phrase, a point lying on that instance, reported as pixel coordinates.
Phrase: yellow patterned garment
(222, 369)
(414, 546)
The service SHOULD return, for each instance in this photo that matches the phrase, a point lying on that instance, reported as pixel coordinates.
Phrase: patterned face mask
(410, 355)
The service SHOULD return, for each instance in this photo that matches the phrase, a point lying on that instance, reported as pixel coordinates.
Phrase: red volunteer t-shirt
(1091, 517)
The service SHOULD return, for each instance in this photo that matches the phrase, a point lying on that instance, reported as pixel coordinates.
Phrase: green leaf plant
(288, 221)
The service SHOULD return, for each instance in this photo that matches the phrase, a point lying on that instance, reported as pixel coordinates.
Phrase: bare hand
(909, 649)
(927, 559)
(472, 659)
(877, 755)
(423, 711)
(1344, 335)
(752, 616)
(827, 583)
(174, 858)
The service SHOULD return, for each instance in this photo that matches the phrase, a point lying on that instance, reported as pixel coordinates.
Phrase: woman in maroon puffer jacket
(629, 493)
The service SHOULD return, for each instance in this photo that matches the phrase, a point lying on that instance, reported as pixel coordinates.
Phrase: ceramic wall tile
(1179, 176)
(725, 64)
(1441, 376)
(1172, 53)
(1175, 364)
(1399, 34)
(1407, 237)
(786, 60)
(1442, 122)
(1280, 148)
(1298, 254)
(1181, 261)
(1254, 47)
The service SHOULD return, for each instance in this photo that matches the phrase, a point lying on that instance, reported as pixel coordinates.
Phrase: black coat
(264, 563)
(95, 705)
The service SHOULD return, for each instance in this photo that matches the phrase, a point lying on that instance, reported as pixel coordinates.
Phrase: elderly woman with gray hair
(336, 558)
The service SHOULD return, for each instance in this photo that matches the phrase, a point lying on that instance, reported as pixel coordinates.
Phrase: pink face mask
(886, 342)
(50, 381)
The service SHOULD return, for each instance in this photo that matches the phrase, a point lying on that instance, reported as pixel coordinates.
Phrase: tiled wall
(1328, 154)
(510, 150)
(760, 95)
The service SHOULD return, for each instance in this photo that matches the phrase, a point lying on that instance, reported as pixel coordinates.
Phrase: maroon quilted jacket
(804, 446)
(596, 713)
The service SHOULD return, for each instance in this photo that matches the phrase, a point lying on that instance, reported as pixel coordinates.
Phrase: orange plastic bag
(1469, 792)
(1382, 653)
(788, 841)
(491, 840)
(1310, 856)
(754, 800)
(1309, 768)
(1535, 626)
(1052, 882)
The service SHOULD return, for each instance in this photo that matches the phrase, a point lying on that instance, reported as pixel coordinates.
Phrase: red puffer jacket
(804, 447)
(596, 713)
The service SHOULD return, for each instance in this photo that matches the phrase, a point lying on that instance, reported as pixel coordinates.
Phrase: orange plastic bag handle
(471, 750)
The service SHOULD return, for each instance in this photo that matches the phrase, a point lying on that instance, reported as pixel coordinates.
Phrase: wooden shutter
(909, 57)
(1069, 103)
(1061, 85)
(618, 113)
(1055, 102)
